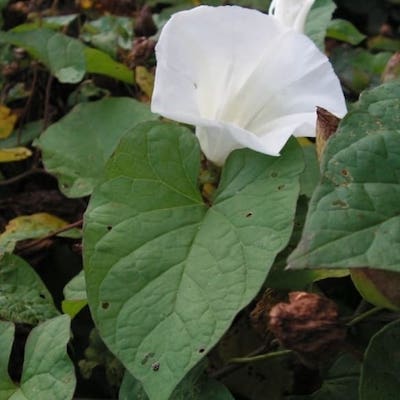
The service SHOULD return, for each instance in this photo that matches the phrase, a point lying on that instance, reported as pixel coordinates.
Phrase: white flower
(242, 78)
(292, 13)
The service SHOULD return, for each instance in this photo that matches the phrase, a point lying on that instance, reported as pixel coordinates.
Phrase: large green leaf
(76, 148)
(166, 274)
(63, 55)
(380, 379)
(23, 296)
(48, 373)
(354, 214)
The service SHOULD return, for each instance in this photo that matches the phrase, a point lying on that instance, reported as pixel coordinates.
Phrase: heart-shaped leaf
(166, 274)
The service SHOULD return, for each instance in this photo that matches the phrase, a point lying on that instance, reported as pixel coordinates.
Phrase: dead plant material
(309, 324)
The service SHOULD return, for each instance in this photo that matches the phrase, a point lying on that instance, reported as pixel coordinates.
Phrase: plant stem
(34, 243)
(261, 357)
(364, 315)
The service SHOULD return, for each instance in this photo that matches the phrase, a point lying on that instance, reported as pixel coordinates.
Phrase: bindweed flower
(243, 78)
(292, 13)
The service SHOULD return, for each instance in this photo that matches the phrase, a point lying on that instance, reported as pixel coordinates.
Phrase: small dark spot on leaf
(249, 214)
(344, 172)
(109, 227)
(42, 296)
(155, 366)
(105, 305)
(280, 187)
(202, 350)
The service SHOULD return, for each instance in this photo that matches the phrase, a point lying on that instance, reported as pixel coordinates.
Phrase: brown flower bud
(142, 49)
(144, 24)
(309, 324)
(327, 124)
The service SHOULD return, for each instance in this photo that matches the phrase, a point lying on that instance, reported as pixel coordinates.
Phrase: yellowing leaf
(14, 154)
(145, 80)
(86, 4)
(7, 121)
(29, 227)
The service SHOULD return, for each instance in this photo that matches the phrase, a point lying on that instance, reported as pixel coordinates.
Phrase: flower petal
(291, 13)
(242, 78)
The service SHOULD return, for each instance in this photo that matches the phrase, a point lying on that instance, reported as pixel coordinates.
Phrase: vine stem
(26, 174)
(33, 243)
(364, 315)
(261, 357)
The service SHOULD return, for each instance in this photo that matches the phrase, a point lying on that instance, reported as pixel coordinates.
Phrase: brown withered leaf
(309, 324)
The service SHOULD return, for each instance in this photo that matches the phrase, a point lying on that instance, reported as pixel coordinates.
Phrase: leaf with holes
(165, 273)
(354, 214)
(48, 373)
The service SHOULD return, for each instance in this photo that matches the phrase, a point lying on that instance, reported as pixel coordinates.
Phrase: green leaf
(23, 296)
(63, 55)
(74, 295)
(340, 382)
(192, 387)
(354, 213)
(380, 373)
(76, 148)
(311, 174)
(318, 21)
(53, 23)
(29, 131)
(98, 62)
(344, 31)
(48, 373)
(7, 387)
(357, 68)
(174, 287)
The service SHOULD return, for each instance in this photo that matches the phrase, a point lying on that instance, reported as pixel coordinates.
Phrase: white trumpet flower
(292, 13)
(242, 78)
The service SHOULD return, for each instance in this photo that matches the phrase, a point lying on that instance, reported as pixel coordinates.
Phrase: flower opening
(242, 78)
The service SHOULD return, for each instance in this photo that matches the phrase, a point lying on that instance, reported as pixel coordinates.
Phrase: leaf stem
(261, 357)
(364, 315)
(34, 243)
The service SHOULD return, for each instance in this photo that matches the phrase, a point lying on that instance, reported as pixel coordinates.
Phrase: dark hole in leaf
(105, 305)
(249, 214)
(155, 366)
(202, 350)
(109, 227)
(42, 296)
